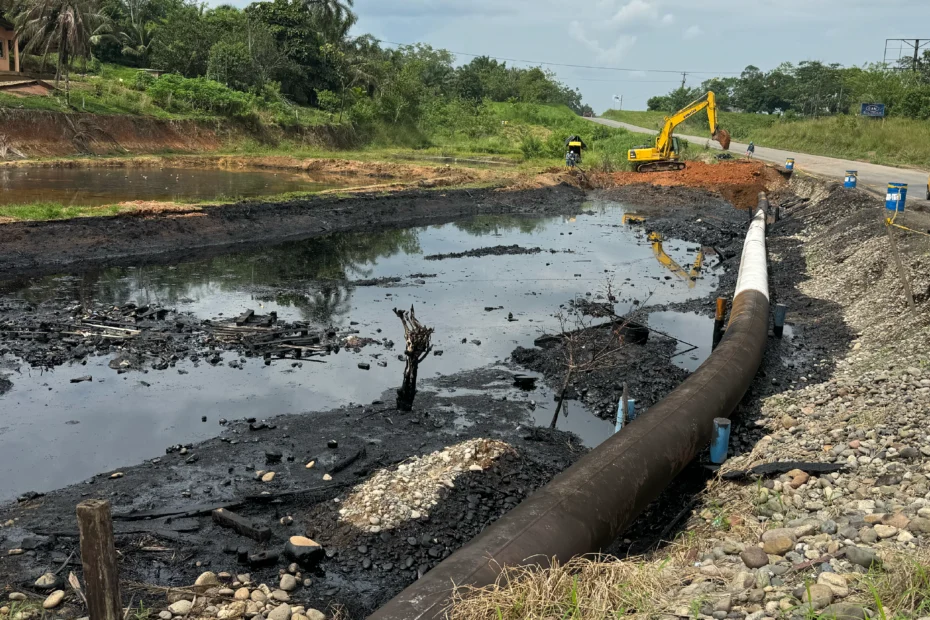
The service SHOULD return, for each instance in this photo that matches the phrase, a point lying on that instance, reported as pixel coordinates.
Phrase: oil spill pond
(54, 433)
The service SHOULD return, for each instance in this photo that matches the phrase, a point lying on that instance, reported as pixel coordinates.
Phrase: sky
(701, 37)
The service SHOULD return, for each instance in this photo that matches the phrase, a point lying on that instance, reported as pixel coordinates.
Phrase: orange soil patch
(739, 181)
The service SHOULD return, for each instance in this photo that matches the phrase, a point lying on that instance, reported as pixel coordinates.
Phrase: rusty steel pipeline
(587, 506)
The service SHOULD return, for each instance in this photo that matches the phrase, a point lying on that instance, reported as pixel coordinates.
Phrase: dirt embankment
(739, 181)
(37, 133)
(33, 247)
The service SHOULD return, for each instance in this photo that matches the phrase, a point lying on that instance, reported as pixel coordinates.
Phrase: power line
(559, 64)
(569, 79)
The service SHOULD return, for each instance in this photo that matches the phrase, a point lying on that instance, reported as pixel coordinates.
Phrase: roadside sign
(876, 110)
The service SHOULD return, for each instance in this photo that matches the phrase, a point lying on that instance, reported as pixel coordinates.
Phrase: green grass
(43, 211)
(896, 142)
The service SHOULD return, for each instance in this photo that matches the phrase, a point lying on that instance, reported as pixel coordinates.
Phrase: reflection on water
(101, 186)
(121, 420)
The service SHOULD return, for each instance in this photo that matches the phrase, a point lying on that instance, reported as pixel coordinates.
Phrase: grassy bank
(896, 142)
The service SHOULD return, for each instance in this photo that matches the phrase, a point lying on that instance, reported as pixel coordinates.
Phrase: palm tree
(63, 26)
(138, 33)
(333, 11)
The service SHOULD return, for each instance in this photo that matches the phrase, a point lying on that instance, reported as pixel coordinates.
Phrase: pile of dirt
(737, 181)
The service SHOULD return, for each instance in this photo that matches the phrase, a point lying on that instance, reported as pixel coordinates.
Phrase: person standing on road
(750, 150)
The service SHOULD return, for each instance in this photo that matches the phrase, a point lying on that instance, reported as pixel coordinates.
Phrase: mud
(36, 247)
(497, 250)
(738, 182)
(222, 472)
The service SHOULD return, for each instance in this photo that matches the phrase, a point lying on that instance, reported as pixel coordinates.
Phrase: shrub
(179, 94)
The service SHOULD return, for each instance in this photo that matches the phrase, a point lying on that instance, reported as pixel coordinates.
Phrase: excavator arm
(707, 102)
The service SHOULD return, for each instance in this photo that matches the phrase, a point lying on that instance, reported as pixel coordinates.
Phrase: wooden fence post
(98, 555)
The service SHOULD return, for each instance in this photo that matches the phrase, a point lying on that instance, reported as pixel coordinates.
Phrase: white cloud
(668, 18)
(604, 54)
(635, 11)
(693, 32)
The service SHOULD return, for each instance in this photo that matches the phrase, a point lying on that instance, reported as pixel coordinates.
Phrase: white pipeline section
(753, 274)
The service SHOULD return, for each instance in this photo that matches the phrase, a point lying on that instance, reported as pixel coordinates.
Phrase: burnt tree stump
(418, 347)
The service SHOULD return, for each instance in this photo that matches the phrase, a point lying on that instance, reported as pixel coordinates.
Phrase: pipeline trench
(199, 422)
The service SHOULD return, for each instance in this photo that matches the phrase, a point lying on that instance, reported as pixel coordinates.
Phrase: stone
(798, 479)
(288, 583)
(327, 477)
(54, 599)
(843, 611)
(905, 537)
(165, 615)
(754, 557)
(304, 551)
(47, 581)
(180, 608)
(868, 535)
(885, 531)
(17, 596)
(313, 614)
(206, 581)
(863, 557)
(232, 611)
(828, 527)
(778, 541)
(898, 520)
(281, 596)
(268, 477)
(920, 525)
(724, 604)
(819, 596)
(742, 581)
(281, 612)
(242, 594)
(258, 596)
(835, 582)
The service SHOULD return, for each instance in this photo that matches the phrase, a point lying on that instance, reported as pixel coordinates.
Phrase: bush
(179, 94)
(532, 147)
(142, 80)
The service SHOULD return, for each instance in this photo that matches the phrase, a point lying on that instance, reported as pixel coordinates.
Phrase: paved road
(871, 176)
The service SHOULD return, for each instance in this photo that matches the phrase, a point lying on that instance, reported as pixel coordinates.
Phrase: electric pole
(684, 76)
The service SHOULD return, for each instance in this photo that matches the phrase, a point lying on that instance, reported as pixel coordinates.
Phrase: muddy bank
(33, 247)
(363, 566)
(38, 133)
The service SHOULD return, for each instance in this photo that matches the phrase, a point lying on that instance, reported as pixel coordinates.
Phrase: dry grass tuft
(903, 587)
(585, 588)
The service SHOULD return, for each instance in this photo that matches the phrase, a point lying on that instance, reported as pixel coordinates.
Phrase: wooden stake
(98, 556)
(901, 271)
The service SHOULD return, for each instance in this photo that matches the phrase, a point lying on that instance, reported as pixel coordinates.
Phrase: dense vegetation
(813, 89)
(270, 58)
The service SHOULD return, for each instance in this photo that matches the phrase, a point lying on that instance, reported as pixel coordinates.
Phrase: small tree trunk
(408, 389)
(558, 408)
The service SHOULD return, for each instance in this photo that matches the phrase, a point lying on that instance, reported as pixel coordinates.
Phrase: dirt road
(871, 176)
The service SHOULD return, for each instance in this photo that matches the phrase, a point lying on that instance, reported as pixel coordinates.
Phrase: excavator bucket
(723, 137)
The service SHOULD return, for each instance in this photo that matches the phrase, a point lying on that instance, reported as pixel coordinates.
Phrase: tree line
(814, 88)
(297, 51)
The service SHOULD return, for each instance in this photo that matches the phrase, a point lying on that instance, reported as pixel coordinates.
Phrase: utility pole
(684, 76)
(916, 48)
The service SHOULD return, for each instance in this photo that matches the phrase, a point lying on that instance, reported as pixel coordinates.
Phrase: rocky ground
(842, 529)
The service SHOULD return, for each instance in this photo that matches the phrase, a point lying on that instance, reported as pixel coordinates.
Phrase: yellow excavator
(669, 263)
(666, 154)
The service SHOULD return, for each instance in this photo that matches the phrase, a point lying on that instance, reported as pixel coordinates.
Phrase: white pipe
(753, 274)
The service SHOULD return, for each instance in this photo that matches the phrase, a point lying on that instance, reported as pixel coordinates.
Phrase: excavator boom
(666, 153)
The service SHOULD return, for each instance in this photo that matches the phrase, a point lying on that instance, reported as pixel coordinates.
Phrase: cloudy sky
(702, 37)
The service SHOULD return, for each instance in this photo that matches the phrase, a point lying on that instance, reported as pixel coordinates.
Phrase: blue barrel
(852, 177)
(789, 164)
(720, 441)
(896, 197)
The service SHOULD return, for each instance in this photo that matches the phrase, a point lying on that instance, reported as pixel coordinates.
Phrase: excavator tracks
(660, 166)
